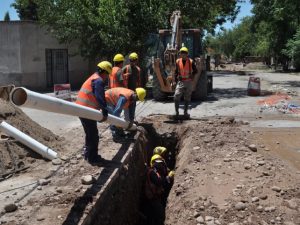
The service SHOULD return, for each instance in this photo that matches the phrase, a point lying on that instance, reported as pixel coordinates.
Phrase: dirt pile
(13, 155)
(224, 176)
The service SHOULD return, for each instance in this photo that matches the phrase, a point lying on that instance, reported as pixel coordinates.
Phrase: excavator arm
(171, 52)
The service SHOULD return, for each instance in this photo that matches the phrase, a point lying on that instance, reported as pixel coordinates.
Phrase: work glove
(170, 177)
(105, 115)
(104, 118)
(171, 174)
(130, 125)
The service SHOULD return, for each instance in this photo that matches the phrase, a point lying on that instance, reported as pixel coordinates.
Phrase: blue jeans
(91, 138)
(114, 130)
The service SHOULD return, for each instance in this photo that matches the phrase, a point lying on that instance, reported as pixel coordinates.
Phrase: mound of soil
(15, 156)
(225, 175)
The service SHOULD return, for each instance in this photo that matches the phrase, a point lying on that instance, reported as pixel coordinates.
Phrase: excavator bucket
(5, 91)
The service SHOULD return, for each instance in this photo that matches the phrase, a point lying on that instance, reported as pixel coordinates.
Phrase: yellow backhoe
(164, 65)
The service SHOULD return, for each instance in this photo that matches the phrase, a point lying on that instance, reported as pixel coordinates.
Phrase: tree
(237, 42)
(293, 49)
(282, 19)
(26, 9)
(104, 27)
(6, 16)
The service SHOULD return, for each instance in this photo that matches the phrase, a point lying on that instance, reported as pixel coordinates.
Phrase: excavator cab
(191, 38)
(164, 63)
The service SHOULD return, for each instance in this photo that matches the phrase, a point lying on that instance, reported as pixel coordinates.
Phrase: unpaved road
(210, 186)
(229, 98)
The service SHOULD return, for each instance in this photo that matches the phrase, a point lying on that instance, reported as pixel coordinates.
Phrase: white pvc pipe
(28, 141)
(23, 97)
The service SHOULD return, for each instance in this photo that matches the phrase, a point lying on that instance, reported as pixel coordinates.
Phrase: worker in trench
(116, 76)
(122, 98)
(184, 74)
(159, 181)
(92, 94)
(161, 152)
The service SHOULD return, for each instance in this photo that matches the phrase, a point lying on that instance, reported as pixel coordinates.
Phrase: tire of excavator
(158, 95)
(200, 92)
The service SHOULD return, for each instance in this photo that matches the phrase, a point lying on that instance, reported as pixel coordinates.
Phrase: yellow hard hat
(154, 158)
(171, 174)
(159, 150)
(141, 93)
(105, 65)
(133, 56)
(118, 58)
(184, 49)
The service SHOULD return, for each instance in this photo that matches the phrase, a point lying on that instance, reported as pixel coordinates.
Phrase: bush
(293, 49)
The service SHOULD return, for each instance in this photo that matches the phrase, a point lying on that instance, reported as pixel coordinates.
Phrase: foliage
(266, 33)
(6, 16)
(293, 49)
(236, 43)
(26, 9)
(104, 27)
(282, 19)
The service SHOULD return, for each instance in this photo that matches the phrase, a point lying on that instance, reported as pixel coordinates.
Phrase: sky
(5, 6)
(244, 11)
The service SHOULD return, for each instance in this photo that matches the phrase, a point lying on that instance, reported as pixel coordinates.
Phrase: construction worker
(122, 98)
(157, 183)
(159, 154)
(116, 76)
(132, 73)
(184, 74)
(92, 95)
(160, 150)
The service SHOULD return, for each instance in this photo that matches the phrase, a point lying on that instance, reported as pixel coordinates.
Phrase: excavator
(164, 65)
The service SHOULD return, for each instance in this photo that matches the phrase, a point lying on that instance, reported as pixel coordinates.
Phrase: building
(31, 57)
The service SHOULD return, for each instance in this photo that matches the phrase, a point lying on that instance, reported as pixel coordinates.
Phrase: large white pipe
(28, 141)
(23, 97)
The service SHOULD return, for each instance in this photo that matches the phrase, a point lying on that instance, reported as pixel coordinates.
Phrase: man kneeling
(122, 98)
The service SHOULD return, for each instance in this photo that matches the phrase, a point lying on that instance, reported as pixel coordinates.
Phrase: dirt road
(219, 179)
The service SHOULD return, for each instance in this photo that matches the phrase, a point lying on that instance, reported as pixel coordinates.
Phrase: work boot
(96, 160)
(177, 108)
(84, 152)
(120, 133)
(186, 107)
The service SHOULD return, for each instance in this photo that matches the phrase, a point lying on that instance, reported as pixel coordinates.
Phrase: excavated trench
(123, 202)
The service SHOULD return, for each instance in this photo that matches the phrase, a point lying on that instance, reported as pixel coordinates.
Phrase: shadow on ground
(80, 204)
(287, 83)
(225, 73)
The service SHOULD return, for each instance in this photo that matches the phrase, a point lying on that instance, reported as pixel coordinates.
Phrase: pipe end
(18, 96)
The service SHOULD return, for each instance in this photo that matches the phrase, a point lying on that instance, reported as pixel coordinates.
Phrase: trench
(124, 202)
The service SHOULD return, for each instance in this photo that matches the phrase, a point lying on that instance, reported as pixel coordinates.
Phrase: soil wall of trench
(120, 201)
(219, 177)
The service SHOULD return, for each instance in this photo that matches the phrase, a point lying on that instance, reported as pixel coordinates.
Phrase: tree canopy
(104, 27)
(269, 32)
(6, 16)
(26, 9)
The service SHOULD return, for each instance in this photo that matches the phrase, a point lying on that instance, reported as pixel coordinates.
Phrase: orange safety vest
(113, 78)
(151, 190)
(112, 96)
(185, 71)
(127, 74)
(86, 96)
